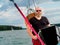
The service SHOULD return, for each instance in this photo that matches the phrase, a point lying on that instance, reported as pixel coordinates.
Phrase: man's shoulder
(33, 18)
(43, 16)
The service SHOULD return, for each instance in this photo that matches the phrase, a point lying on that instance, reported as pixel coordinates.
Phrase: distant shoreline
(9, 27)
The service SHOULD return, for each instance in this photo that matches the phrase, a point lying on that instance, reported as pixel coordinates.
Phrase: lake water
(15, 37)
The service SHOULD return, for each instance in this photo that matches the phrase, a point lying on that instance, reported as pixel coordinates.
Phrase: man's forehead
(37, 8)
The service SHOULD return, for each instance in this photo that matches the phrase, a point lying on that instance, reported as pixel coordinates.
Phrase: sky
(9, 15)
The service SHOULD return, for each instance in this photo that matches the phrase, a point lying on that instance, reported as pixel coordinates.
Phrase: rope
(34, 3)
(29, 9)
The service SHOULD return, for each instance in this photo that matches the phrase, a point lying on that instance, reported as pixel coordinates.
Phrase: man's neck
(38, 17)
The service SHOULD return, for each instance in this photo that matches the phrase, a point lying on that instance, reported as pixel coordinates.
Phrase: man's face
(38, 11)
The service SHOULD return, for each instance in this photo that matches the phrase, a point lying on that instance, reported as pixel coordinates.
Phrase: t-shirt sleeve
(30, 21)
(47, 22)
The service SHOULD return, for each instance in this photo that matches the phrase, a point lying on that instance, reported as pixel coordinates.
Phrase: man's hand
(34, 37)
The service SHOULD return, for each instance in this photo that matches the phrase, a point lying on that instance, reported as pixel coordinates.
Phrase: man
(37, 22)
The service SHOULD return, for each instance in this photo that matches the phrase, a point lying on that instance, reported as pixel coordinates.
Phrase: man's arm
(29, 31)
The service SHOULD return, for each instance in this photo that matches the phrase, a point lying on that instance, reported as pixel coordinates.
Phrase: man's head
(38, 11)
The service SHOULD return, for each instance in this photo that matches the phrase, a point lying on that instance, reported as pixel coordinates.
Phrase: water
(15, 37)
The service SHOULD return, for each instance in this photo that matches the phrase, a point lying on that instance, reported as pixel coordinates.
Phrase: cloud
(1, 5)
(12, 16)
(54, 19)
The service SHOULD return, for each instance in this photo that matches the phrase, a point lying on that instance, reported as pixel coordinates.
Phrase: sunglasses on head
(38, 10)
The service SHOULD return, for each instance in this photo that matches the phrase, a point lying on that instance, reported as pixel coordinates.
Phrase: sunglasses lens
(38, 10)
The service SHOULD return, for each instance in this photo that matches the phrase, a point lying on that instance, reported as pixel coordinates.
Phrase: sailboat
(12, 29)
(43, 30)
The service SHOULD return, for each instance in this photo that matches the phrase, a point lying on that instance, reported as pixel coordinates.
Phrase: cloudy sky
(9, 15)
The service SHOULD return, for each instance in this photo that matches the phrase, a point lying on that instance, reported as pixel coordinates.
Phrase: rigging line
(34, 3)
(28, 7)
(28, 4)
